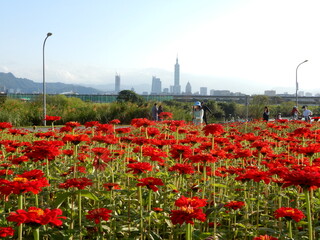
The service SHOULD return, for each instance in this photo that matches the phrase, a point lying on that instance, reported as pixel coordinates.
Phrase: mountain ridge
(11, 84)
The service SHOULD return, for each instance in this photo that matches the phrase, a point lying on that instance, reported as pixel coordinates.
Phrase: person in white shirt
(306, 114)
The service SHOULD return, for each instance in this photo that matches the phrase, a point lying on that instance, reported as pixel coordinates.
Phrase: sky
(243, 46)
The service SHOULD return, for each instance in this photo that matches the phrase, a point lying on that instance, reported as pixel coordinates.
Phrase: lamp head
(49, 34)
(305, 60)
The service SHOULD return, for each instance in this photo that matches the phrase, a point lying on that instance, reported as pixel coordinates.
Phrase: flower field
(161, 180)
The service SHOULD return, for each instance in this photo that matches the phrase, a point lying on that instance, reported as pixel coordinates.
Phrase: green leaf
(61, 198)
(88, 194)
(219, 185)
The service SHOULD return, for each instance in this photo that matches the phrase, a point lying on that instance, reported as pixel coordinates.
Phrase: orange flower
(36, 217)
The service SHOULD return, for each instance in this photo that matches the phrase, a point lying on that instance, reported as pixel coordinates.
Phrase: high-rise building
(156, 85)
(188, 88)
(176, 86)
(203, 91)
(117, 83)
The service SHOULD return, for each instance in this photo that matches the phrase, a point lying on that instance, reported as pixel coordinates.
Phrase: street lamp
(297, 81)
(44, 82)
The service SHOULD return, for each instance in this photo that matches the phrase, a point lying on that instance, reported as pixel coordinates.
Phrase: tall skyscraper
(203, 91)
(176, 86)
(188, 88)
(117, 83)
(156, 85)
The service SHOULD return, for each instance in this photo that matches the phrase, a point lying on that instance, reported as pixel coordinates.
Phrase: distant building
(156, 86)
(117, 84)
(203, 91)
(188, 89)
(270, 93)
(176, 87)
(308, 94)
(166, 90)
(220, 92)
(301, 93)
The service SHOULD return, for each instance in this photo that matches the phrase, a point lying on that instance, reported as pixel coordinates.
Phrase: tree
(130, 96)
(257, 105)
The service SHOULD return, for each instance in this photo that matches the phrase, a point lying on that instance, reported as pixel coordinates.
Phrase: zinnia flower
(189, 210)
(79, 183)
(234, 205)
(36, 217)
(289, 214)
(99, 214)
(139, 167)
(265, 237)
(6, 232)
(52, 118)
(214, 129)
(150, 183)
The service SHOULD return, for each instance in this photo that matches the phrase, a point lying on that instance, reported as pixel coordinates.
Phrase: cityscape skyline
(244, 46)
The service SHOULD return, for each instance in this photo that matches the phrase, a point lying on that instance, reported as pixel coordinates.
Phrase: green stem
(290, 229)
(36, 200)
(20, 206)
(309, 215)
(149, 200)
(36, 234)
(80, 213)
(188, 232)
(141, 210)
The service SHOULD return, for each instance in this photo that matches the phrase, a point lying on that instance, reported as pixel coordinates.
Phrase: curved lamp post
(297, 81)
(44, 82)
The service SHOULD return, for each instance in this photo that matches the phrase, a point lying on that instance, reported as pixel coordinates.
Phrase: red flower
(79, 183)
(289, 214)
(99, 214)
(193, 202)
(178, 151)
(182, 168)
(111, 186)
(27, 182)
(265, 237)
(114, 121)
(255, 175)
(189, 210)
(4, 125)
(150, 183)
(305, 178)
(36, 217)
(139, 122)
(139, 167)
(214, 129)
(73, 124)
(91, 124)
(157, 209)
(187, 215)
(52, 118)
(105, 128)
(76, 139)
(153, 131)
(165, 115)
(6, 232)
(234, 205)
(42, 150)
(123, 130)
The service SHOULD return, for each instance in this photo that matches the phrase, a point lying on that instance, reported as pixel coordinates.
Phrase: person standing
(160, 110)
(197, 117)
(154, 112)
(205, 110)
(295, 113)
(266, 114)
(306, 114)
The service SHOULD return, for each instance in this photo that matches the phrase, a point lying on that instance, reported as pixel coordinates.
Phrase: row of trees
(129, 105)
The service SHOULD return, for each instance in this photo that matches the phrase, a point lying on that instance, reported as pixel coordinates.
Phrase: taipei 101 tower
(176, 86)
